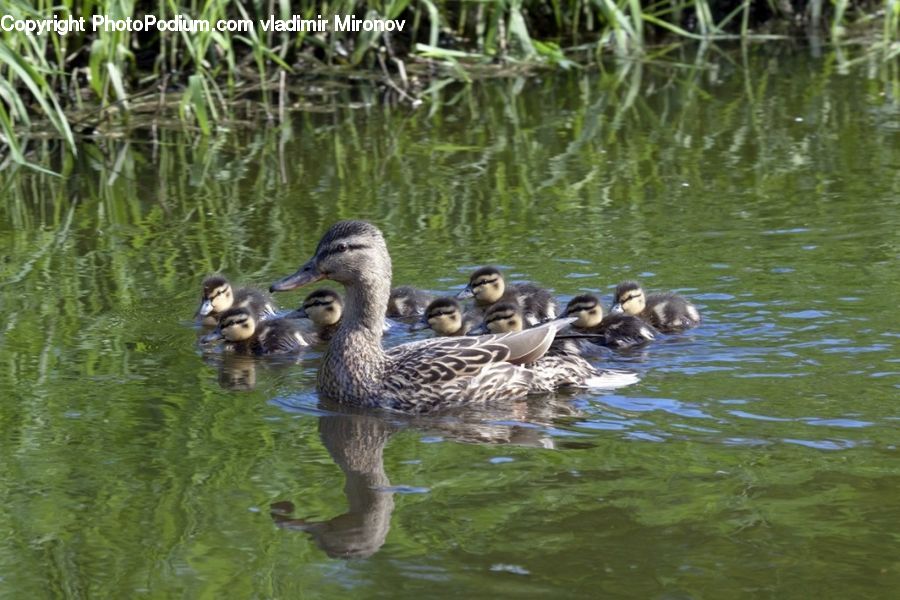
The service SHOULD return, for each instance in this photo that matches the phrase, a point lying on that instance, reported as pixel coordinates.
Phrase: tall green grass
(80, 83)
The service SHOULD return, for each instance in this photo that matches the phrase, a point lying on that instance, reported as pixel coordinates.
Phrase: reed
(65, 86)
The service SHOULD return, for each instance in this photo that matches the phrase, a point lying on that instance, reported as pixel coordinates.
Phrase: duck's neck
(354, 363)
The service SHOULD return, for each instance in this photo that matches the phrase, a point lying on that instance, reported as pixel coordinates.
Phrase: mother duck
(428, 374)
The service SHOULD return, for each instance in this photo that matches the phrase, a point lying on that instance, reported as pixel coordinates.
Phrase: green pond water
(757, 457)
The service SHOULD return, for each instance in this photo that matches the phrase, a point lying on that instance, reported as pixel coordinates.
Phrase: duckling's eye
(342, 247)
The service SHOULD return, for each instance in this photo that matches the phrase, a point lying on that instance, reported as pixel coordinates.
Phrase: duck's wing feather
(445, 359)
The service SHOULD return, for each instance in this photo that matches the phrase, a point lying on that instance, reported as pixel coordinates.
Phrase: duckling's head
(443, 315)
(217, 296)
(323, 307)
(504, 317)
(235, 325)
(351, 253)
(629, 299)
(486, 285)
(586, 309)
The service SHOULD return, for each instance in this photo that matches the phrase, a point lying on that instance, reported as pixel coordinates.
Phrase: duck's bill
(300, 313)
(306, 275)
(209, 338)
(480, 330)
(420, 325)
(616, 309)
(465, 294)
(206, 307)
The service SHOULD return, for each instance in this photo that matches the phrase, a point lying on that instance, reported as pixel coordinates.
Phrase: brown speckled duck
(218, 296)
(428, 374)
(488, 287)
(666, 311)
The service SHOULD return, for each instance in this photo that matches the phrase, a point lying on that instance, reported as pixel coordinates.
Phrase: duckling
(506, 317)
(407, 301)
(324, 308)
(218, 296)
(245, 335)
(427, 374)
(617, 331)
(488, 287)
(666, 311)
(445, 317)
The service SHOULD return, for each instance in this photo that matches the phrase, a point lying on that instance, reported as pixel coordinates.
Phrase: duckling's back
(407, 301)
(538, 305)
(669, 312)
(257, 301)
(279, 336)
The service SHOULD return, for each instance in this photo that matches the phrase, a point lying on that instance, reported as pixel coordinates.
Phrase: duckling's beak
(307, 274)
(206, 307)
(616, 309)
(300, 313)
(480, 330)
(465, 294)
(212, 337)
(420, 325)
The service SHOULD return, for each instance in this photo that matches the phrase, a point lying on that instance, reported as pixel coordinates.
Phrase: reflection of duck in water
(356, 443)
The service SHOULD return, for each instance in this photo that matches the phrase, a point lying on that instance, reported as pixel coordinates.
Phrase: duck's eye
(342, 247)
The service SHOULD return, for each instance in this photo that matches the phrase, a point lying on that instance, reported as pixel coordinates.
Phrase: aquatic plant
(79, 83)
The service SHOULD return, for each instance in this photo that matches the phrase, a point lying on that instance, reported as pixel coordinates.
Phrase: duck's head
(350, 252)
(443, 315)
(217, 296)
(629, 299)
(323, 307)
(235, 325)
(486, 285)
(586, 309)
(504, 317)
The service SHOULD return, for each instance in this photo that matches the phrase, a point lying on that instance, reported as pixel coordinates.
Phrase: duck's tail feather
(611, 379)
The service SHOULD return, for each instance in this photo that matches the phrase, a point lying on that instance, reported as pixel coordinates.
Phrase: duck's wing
(445, 359)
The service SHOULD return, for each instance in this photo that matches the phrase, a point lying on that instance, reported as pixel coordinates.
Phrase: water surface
(756, 458)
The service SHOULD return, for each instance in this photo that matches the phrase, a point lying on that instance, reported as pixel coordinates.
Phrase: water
(756, 458)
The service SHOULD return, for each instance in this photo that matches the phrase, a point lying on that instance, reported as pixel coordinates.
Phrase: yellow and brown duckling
(445, 317)
(218, 295)
(245, 334)
(619, 331)
(562, 355)
(666, 311)
(427, 374)
(488, 287)
(323, 308)
(506, 317)
(406, 301)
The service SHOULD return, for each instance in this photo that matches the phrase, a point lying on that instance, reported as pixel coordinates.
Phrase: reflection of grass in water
(206, 78)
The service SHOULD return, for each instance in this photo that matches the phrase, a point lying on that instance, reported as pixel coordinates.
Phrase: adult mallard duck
(244, 334)
(488, 287)
(445, 317)
(619, 331)
(406, 301)
(425, 375)
(666, 311)
(218, 296)
(324, 309)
